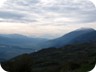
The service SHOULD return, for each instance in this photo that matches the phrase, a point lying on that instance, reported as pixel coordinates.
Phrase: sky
(45, 18)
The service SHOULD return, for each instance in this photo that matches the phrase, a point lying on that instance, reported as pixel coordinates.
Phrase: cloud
(49, 11)
(7, 15)
(49, 14)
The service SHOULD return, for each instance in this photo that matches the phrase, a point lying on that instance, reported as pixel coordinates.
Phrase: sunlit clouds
(2, 2)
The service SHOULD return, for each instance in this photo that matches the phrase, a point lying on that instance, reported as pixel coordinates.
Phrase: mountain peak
(85, 29)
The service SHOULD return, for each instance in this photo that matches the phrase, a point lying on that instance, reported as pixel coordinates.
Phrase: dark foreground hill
(70, 58)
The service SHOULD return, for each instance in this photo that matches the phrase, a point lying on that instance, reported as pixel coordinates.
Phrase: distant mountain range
(12, 45)
(15, 44)
(77, 36)
(7, 51)
(20, 40)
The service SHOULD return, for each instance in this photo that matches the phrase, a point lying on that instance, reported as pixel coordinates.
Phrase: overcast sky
(46, 18)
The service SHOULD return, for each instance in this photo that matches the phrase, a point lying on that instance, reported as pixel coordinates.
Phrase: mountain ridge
(74, 37)
(67, 38)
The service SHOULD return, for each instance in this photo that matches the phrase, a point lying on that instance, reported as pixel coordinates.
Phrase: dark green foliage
(22, 63)
(71, 58)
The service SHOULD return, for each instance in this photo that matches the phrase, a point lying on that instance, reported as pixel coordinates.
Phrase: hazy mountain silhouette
(20, 40)
(12, 45)
(77, 36)
(8, 51)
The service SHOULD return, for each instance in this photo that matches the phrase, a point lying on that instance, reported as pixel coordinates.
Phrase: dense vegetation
(70, 58)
